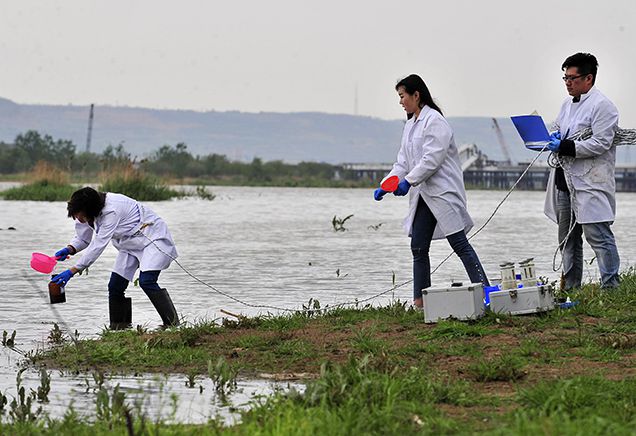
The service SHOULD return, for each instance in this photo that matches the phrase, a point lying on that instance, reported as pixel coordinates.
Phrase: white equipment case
(458, 302)
(522, 300)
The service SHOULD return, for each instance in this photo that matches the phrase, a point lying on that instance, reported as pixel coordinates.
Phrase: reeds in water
(45, 182)
(136, 184)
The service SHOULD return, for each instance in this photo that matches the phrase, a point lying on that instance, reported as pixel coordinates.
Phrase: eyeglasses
(572, 78)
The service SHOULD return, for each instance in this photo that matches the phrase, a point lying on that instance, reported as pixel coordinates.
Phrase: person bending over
(140, 236)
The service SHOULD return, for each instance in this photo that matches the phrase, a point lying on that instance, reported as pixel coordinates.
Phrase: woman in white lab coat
(142, 239)
(430, 172)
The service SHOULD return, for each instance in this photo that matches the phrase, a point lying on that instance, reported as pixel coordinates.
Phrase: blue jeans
(117, 284)
(421, 236)
(600, 238)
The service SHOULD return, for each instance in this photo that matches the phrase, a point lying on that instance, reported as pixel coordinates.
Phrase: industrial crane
(502, 142)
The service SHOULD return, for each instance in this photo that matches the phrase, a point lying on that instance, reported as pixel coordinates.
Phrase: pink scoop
(42, 263)
(390, 184)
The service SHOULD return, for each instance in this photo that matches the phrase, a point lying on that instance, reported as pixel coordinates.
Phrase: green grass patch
(39, 191)
(366, 341)
(44, 183)
(507, 367)
(458, 329)
(296, 348)
(580, 405)
(283, 323)
(138, 185)
(355, 398)
(258, 342)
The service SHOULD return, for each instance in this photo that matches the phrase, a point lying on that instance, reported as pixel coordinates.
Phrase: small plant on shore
(111, 408)
(223, 376)
(21, 409)
(191, 379)
(8, 341)
(312, 307)
(98, 380)
(3, 402)
(42, 393)
(203, 193)
(56, 336)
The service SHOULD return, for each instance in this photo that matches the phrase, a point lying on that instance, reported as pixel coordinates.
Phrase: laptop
(532, 130)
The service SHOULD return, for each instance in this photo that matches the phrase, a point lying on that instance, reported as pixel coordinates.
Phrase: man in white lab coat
(581, 190)
(142, 239)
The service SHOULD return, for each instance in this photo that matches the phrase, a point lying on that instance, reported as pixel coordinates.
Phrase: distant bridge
(482, 173)
(469, 155)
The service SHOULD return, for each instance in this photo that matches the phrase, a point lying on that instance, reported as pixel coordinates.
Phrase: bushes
(46, 183)
(138, 185)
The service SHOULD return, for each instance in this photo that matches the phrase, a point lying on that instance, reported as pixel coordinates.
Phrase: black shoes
(120, 311)
(162, 302)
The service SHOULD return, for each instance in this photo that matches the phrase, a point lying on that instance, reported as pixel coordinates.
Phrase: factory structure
(480, 172)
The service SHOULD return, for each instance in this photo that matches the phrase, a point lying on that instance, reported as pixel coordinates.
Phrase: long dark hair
(414, 83)
(88, 201)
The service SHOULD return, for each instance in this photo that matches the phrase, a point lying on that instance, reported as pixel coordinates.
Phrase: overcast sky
(490, 58)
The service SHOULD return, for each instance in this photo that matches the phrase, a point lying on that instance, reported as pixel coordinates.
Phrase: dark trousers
(147, 281)
(421, 237)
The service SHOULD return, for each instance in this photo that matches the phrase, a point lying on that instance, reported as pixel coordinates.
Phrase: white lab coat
(429, 161)
(136, 232)
(591, 173)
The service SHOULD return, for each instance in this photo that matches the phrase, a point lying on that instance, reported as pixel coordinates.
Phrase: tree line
(173, 162)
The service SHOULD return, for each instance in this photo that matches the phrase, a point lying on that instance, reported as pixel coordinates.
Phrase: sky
(479, 58)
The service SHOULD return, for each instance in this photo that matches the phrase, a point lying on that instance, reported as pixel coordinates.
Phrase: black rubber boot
(120, 312)
(162, 302)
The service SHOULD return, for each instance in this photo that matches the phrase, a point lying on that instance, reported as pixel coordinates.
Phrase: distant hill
(292, 137)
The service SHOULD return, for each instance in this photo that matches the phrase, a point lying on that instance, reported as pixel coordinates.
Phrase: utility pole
(355, 100)
(90, 130)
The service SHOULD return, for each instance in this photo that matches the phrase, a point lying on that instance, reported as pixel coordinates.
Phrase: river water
(269, 249)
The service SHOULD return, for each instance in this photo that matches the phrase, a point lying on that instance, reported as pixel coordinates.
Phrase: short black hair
(585, 64)
(88, 201)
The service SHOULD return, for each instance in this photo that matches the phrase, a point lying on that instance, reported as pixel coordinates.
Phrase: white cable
(364, 300)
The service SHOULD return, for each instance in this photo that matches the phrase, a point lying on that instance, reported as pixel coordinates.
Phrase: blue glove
(63, 278)
(554, 144)
(378, 194)
(555, 141)
(63, 254)
(402, 188)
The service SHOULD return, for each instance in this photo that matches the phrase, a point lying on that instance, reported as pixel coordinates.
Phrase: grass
(382, 370)
(48, 183)
(501, 368)
(44, 183)
(136, 184)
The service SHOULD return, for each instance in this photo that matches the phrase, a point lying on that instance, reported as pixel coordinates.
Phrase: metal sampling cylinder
(528, 274)
(508, 277)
